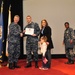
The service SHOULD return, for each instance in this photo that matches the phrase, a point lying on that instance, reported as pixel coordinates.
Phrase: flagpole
(2, 7)
(2, 31)
(9, 21)
(10, 7)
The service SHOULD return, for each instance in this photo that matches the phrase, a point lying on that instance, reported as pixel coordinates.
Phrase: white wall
(56, 12)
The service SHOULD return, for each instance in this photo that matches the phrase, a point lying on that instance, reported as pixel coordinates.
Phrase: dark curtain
(16, 9)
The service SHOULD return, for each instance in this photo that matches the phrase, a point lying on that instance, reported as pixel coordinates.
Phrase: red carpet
(58, 68)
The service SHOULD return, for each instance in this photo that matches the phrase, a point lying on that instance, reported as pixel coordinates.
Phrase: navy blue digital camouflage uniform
(14, 43)
(32, 42)
(68, 35)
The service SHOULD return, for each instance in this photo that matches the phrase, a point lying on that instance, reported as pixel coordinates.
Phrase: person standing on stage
(46, 31)
(32, 42)
(43, 46)
(68, 42)
(14, 43)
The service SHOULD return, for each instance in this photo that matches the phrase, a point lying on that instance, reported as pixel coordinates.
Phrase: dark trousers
(70, 53)
(32, 47)
(13, 52)
(48, 57)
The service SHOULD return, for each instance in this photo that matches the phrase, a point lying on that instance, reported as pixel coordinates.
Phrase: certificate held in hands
(29, 31)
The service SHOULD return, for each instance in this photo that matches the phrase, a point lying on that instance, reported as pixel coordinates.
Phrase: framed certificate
(29, 31)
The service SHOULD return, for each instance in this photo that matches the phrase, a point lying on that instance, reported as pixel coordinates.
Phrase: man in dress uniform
(32, 42)
(68, 42)
(14, 43)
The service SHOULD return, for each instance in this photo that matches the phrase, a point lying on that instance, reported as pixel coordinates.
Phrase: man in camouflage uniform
(32, 42)
(68, 42)
(14, 43)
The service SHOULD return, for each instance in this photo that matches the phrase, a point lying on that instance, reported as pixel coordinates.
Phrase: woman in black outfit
(46, 31)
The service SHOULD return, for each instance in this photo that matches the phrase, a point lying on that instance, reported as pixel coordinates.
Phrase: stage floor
(57, 68)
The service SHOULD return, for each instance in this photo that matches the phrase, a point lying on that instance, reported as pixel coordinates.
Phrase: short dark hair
(28, 16)
(66, 23)
(17, 16)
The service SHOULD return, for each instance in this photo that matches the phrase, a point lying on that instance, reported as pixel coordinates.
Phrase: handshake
(22, 33)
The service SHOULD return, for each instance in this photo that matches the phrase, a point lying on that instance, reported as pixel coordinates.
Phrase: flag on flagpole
(9, 21)
(1, 32)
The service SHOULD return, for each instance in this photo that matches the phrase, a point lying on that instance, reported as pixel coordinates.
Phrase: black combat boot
(11, 66)
(68, 62)
(72, 62)
(16, 66)
(28, 65)
(36, 64)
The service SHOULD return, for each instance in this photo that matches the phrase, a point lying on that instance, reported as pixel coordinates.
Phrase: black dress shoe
(28, 65)
(72, 62)
(16, 66)
(11, 66)
(67, 62)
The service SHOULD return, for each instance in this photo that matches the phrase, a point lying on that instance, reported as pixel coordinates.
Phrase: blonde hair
(44, 38)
